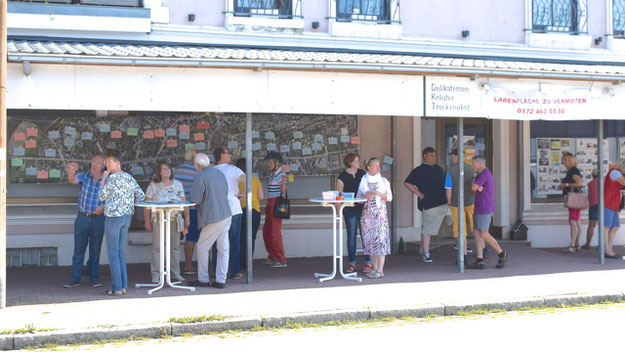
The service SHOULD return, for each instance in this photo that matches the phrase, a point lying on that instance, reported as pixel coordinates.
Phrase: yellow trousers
(468, 219)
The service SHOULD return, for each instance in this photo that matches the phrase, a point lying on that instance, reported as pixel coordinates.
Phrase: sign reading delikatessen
(452, 97)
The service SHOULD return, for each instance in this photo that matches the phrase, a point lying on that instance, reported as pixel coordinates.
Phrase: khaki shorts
(432, 219)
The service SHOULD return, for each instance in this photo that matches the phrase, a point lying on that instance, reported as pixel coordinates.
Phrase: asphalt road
(570, 329)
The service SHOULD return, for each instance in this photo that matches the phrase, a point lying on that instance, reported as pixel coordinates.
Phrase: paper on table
(31, 143)
(19, 136)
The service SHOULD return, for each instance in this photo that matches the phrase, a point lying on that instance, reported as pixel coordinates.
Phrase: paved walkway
(35, 295)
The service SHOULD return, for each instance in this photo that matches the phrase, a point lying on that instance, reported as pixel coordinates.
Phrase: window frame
(578, 18)
(294, 7)
(392, 7)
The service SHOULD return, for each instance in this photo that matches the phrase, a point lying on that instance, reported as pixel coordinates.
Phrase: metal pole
(601, 197)
(3, 153)
(248, 190)
(394, 240)
(461, 221)
(520, 173)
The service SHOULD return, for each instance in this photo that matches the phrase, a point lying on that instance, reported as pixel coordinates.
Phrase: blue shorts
(194, 231)
(593, 213)
(481, 221)
(611, 218)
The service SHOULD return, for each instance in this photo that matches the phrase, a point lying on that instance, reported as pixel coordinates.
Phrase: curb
(20, 341)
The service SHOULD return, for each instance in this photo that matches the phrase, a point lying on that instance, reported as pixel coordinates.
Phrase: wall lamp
(609, 91)
(598, 40)
(466, 34)
(485, 86)
(26, 69)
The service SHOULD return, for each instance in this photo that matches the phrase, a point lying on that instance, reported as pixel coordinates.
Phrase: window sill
(264, 24)
(363, 29)
(559, 41)
(616, 44)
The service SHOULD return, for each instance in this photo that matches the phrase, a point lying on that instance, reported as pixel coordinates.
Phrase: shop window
(618, 18)
(550, 140)
(560, 16)
(379, 11)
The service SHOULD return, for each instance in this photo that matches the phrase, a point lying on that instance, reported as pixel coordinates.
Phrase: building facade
(388, 78)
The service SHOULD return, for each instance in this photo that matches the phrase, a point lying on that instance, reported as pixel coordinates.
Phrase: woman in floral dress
(374, 221)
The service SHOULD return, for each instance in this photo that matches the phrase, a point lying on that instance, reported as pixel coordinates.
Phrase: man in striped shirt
(89, 223)
(186, 173)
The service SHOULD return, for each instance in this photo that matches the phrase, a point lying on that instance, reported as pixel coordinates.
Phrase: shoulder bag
(575, 200)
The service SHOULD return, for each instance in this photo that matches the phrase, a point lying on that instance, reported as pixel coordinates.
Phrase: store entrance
(477, 140)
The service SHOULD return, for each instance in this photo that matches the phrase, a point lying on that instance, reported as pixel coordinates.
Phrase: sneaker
(375, 275)
(216, 284)
(269, 262)
(477, 264)
(278, 265)
(198, 283)
(469, 250)
(501, 262)
(71, 284)
(96, 284)
(427, 258)
(179, 278)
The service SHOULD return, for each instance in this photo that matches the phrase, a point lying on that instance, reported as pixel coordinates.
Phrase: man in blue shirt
(89, 223)
(186, 173)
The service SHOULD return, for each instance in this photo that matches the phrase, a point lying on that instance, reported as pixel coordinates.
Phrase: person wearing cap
(593, 210)
(452, 188)
(272, 229)
(427, 181)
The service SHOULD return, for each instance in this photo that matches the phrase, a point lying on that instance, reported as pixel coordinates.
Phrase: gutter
(259, 65)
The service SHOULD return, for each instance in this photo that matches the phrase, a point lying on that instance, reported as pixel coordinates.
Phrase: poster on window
(621, 148)
(550, 171)
(586, 155)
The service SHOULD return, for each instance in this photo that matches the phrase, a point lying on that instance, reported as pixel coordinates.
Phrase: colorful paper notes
(172, 143)
(185, 128)
(232, 145)
(105, 127)
(297, 146)
(31, 171)
(17, 162)
(69, 142)
(20, 136)
(344, 139)
(171, 132)
(131, 131)
(333, 140)
(70, 131)
(200, 146)
(388, 159)
(306, 151)
(54, 134)
(159, 133)
(256, 146)
(148, 135)
(137, 170)
(19, 151)
(31, 143)
(356, 140)
(54, 173)
(189, 146)
(49, 153)
(42, 175)
(298, 135)
(203, 125)
(198, 136)
(291, 179)
(255, 134)
(285, 149)
(317, 147)
(294, 167)
(86, 136)
(271, 146)
(32, 132)
(184, 135)
(116, 134)
(344, 130)
(270, 135)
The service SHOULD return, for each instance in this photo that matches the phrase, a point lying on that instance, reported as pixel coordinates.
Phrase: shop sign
(572, 105)
(452, 97)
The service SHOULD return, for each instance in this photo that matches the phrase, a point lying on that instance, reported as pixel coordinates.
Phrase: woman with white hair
(613, 184)
(572, 182)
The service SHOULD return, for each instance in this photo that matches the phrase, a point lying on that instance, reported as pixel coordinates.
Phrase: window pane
(555, 15)
(618, 17)
(363, 10)
(263, 7)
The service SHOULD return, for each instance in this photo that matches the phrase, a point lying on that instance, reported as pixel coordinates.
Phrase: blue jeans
(87, 231)
(352, 223)
(116, 229)
(234, 234)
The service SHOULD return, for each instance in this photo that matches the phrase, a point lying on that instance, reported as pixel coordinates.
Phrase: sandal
(113, 293)
(569, 250)
(586, 246)
(368, 268)
(375, 275)
(350, 269)
(611, 256)
(577, 248)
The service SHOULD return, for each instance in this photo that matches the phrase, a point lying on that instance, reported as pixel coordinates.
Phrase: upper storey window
(273, 8)
(618, 18)
(561, 16)
(380, 11)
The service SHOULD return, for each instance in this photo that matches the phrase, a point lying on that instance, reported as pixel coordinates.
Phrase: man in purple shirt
(484, 188)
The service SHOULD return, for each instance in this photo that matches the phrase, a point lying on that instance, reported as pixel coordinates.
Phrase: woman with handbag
(570, 187)
(374, 221)
(272, 229)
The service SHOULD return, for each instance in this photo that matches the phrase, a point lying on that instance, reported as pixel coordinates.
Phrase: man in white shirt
(233, 175)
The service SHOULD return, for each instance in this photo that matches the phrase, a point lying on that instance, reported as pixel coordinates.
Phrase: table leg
(168, 255)
(325, 277)
(160, 283)
(349, 276)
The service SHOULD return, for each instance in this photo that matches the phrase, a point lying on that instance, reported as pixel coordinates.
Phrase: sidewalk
(532, 277)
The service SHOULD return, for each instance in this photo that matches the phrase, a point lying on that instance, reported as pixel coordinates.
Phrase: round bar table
(337, 252)
(164, 209)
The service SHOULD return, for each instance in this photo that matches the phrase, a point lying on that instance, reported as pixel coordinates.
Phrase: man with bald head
(89, 223)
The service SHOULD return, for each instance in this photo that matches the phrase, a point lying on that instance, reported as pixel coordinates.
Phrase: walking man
(484, 188)
(186, 173)
(427, 181)
(233, 175)
(210, 193)
(452, 188)
(89, 223)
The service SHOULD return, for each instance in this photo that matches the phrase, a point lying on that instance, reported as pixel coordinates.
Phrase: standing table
(337, 252)
(164, 209)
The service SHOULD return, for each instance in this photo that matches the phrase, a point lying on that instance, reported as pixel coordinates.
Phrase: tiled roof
(244, 55)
